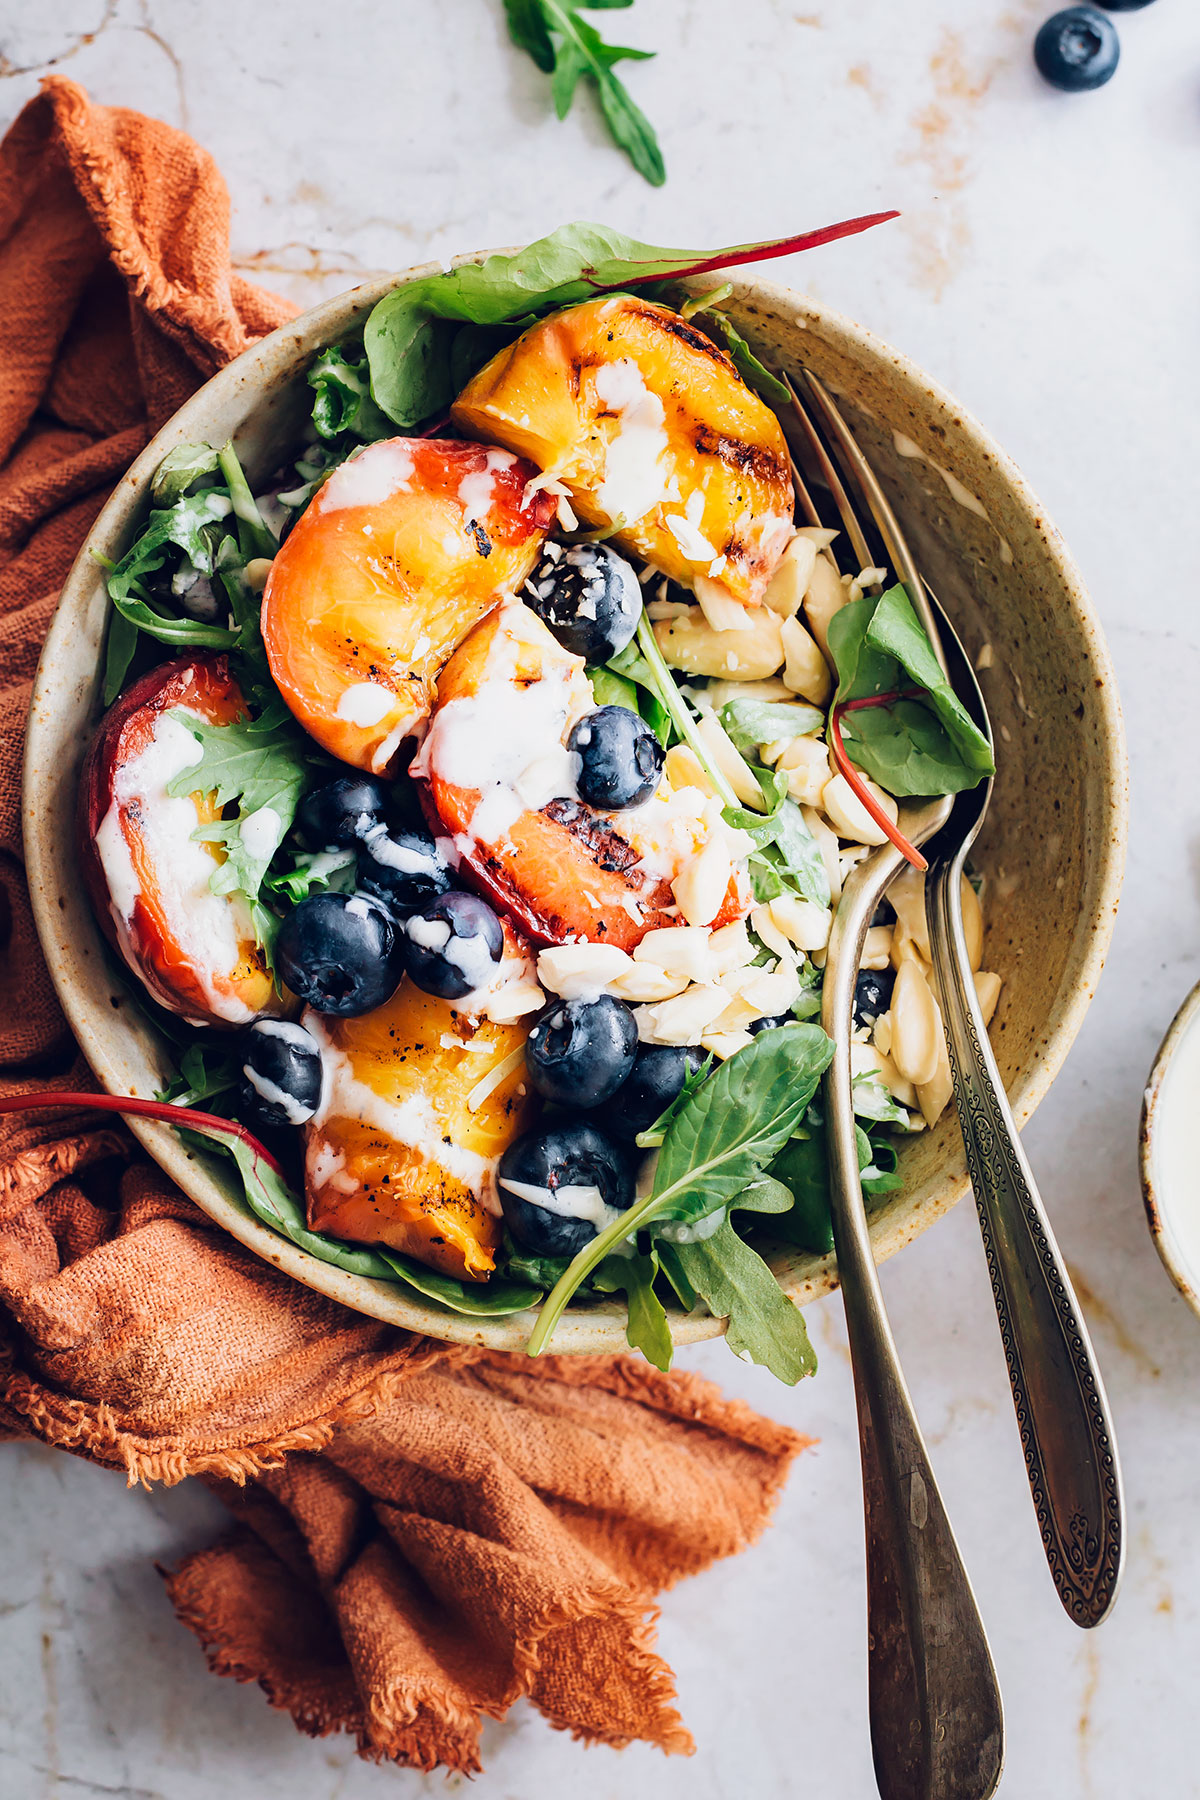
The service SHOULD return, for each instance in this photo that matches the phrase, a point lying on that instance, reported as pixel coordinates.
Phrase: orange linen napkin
(422, 1533)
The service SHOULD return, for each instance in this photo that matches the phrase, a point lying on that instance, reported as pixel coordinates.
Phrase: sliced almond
(805, 670)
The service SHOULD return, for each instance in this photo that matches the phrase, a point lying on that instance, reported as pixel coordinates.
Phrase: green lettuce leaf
(765, 1327)
(647, 1329)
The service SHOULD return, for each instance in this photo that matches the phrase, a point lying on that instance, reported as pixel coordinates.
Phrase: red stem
(142, 1109)
(789, 246)
(854, 780)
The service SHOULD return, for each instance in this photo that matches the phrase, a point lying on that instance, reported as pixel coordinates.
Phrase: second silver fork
(935, 1709)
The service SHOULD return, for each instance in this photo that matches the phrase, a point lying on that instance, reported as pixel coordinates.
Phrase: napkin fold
(420, 1533)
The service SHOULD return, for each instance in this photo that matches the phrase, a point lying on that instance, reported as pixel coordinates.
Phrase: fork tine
(831, 478)
(860, 472)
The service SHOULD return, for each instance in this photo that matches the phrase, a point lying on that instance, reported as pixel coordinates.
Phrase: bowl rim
(599, 1326)
(1158, 1213)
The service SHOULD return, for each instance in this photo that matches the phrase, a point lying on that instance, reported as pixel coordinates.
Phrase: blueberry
(1077, 49)
(581, 1052)
(555, 1185)
(339, 953)
(658, 1077)
(872, 994)
(341, 812)
(588, 596)
(452, 946)
(1124, 5)
(620, 758)
(281, 1072)
(771, 1022)
(404, 869)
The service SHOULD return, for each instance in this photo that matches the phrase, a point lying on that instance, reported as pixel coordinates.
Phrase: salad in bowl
(473, 800)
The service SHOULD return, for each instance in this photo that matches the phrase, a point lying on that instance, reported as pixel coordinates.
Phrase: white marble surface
(1046, 270)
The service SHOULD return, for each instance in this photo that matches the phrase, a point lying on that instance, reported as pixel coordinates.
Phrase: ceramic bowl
(1052, 851)
(1170, 1174)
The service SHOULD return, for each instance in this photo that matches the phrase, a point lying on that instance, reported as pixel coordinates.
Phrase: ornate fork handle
(1062, 1411)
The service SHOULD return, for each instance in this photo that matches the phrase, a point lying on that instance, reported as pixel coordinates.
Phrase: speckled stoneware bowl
(1052, 850)
(1170, 1172)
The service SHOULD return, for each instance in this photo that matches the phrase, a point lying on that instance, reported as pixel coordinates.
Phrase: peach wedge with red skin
(398, 1156)
(651, 427)
(194, 950)
(396, 556)
(563, 870)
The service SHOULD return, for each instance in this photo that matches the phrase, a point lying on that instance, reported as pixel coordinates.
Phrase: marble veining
(1045, 271)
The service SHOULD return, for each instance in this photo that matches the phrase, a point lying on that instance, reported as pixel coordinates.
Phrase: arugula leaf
(753, 722)
(565, 46)
(314, 872)
(486, 1299)
(735, 1283)
(872, 1100)
(264, 766)
(925, 745)
(409, 348)
(343, 400)
(254, 535)
(733, 1125)
(646, 1329)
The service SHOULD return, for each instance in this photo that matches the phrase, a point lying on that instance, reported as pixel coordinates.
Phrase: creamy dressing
(365, 703)
(208, 928)
(294, 1111)
(477, 487)
(370, 477)
(261, 833)
(567, 1202)
(954, 487)
(635, 479)
(410, 1123)
(1174, 1165)
(505, 740)
(695, 1231)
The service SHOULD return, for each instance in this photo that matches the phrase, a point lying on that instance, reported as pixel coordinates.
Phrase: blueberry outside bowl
(1053, 848)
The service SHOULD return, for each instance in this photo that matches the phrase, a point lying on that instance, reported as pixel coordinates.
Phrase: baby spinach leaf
(271, 1200)
(652, 1137)
(647, 1329)
(205, 1070)
(923, 744)
(485, 1299)
(735, 1283)
(753, 722)
(521, 1265)
(802, 1165)
(409, 351)
(733, 1125)
(611, 689)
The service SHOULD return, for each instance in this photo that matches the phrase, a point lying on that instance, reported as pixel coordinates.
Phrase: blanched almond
(827, 844)
(934, 1095)
(683, 768)
(729, 760)
(702, 883)
(750, 654)
(680, 949)
(878, 947)
(847, 814)
(646, 982)
(824, 597)
(906, 896)
(725, 1044)
(681, 1021)
(987, 987)
(916, 1026)
(972, 914)
(805, 670)
(787, 586)
(805, 762)
(805, 924)
(577, 971)
(730, 947)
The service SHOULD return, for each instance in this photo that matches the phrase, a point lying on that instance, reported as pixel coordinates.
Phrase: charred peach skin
(398, 554)
(648, 424)
(397, 1156)
(146, 876)
(561, 870)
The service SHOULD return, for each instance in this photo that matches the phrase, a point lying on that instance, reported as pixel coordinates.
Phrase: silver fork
(1066, 1434)
(937, 1729)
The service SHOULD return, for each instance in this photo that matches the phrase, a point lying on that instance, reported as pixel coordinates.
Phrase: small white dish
(1170, 1162)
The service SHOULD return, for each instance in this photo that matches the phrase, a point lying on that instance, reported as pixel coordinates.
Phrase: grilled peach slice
(398, 554)
(651, 427)
(147, 877)
(495, 776)
(398, 1154)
